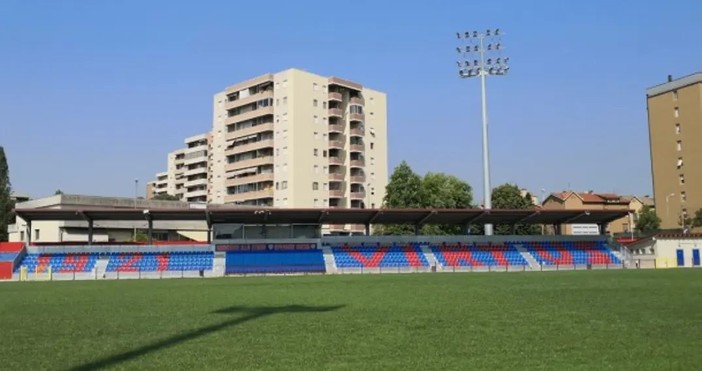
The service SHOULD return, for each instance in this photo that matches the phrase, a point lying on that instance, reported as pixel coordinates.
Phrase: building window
(277, 102)
(316, 169)
(325, 170)
(371, 145)
(324, 105)
(277, 185)
(316, 202)
(315, 87)
(675, 95)
(677, 128)
(682, 179)
(315, 186)
(683, 196)
(325, 186)
(36, 235)
(285, 100)
(680, 162)
(21, 235)
(316, 135)
(285, 184)
(679, 145)
(324, 153)
(277, 151)
(316, 152)
(314, 103)
(316, 119)
(677, 112)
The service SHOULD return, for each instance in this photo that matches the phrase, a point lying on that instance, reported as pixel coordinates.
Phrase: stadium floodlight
(483, 48)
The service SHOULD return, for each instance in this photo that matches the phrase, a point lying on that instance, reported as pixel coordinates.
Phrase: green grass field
(558, 320)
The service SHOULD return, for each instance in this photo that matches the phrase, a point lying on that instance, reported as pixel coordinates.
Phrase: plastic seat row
(477, 256)
(570, 252)
(59, 263)
(160, 262)
(396, 256)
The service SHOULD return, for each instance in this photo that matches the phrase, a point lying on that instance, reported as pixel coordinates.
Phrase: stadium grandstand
(244, 241)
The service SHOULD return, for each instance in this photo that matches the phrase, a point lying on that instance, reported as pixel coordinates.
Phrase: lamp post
(481, 57)
(136, 195)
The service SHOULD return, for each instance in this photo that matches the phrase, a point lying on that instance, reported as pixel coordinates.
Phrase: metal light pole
(477, 46)
(136, 192)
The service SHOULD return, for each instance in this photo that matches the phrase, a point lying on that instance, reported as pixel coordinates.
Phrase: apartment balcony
(357, 100)
(337, 176)
(264, 177)
(358, 178)
(357, 117)
(336, 193)
(248, 196)
(336, 112)
(357, 163)
(336, 144)
(260, 128)
(195, 182)
(358, 195)
(357, 147)
(258, 161)
(196, 171)
(336, 160)
(248, 100)
(336, 128)
(195, 160)
(358, 132)
(266, 143)
(249, 115)
(336, 96)
(198, 193)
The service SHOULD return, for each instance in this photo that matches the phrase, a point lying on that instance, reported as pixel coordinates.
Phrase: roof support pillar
(416, 229)
(367, 229)
(150, 236)
(90, 232)
(29, 232)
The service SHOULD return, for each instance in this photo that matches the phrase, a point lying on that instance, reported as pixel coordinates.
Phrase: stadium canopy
(245, 215)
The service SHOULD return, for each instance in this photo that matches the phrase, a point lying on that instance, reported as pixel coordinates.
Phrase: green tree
(402, 192)
(165, 197)
(443, 191)
(58, 192)
(6, 204)
(407, 190)
(697, 220)
(647, 220)
(509, 196)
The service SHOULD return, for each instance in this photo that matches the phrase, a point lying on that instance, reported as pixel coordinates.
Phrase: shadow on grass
(250, 314)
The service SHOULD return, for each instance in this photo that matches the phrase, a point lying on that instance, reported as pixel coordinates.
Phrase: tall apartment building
(187, 173)
(296, 139)
(675, 132)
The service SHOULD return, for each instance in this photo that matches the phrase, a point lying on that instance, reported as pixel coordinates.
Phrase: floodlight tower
(481, 55)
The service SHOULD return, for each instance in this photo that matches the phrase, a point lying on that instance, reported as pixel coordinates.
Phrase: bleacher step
(433, 262)
(533, 264)
(329, 260)
(101, 266)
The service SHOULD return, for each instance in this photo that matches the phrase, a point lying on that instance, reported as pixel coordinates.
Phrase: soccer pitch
(557, 320)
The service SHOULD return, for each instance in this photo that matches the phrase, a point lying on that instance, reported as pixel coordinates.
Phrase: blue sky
(94, 93)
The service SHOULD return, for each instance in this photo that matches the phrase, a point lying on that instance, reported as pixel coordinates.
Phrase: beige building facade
(295, 139)
(187, 173)
(570, 200)
(675, 133)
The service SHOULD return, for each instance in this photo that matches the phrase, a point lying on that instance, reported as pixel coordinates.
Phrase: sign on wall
(585, 229)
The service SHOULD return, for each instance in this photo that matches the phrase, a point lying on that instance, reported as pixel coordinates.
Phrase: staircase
(431, 258)
(329, 264)
(101, 266)
(527, 256)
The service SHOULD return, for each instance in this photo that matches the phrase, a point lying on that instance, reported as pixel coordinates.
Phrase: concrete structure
(104, 231)
(667, 250)
(570, 200)
(295, 139)
(187, 173)
(675, 131)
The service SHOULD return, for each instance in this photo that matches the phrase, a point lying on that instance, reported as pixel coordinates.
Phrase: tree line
(406, 190)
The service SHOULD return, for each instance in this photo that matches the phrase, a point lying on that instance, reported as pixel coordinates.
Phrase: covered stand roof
(215, 215)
